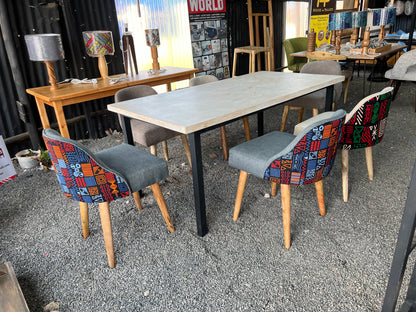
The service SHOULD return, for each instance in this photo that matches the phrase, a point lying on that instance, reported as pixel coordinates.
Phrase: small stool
(252, 51)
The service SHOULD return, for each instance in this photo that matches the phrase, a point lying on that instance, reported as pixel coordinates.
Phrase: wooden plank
(11, 296)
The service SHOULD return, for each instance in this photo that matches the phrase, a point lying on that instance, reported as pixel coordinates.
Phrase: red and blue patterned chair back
(366, 123)
(311, 159)
(80, 175)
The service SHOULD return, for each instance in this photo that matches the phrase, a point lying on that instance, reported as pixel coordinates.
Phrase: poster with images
(208, 31)
(7, 171)
(320, 10)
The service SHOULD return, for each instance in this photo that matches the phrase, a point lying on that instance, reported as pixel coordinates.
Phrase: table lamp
(46, 48)
(99, 43)
(338, 22)
(383, 17)
(359, 19)
(153, 40)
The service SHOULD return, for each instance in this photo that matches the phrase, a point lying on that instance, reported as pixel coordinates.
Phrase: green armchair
(295, 45)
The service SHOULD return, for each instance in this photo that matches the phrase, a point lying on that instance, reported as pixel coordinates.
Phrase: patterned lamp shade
(152, 37)
(98, 42)
(338, 21)
(44, 47)
(359, 19)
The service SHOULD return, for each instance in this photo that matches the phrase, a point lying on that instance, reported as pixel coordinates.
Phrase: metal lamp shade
(98, 42)
(338, 21)
(44, 47)
(359, 19)
(152, 37)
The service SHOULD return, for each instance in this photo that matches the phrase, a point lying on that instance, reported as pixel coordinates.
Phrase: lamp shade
(99, 42)
(338, 21)
(44, 47)
(359, 19)
(152, 37)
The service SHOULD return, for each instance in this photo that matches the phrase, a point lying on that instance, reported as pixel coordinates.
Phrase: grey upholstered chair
(403, 70)
(146, 133)
(196, 81)
(105, 176)
(285, 159)
(316, 100)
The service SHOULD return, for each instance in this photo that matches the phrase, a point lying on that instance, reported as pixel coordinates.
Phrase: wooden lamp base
(51, 74)
(366, 41)
(155, 64)
(102, 66)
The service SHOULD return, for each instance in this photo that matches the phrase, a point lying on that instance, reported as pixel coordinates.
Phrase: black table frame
(196, 156)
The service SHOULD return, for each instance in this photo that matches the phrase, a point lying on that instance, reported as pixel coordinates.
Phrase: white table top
(196, 108)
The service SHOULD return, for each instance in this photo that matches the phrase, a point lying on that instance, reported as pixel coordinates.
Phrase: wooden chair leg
(274, 189)
(319, 186)
(344, 160)
(285, 193)
(136, 197)
(234, 64)
(246, 128)
(185, 144)
(240, 192)
(107, 231)
(300, 115)
(284, 118)
(347, 86)
(165, 150)
(224, 142)
(162, 205)
(153, 150)
(315, 112)
(83, 209)
(369, 160)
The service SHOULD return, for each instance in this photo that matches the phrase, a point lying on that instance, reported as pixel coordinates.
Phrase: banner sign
(7, 171)
(319, 20)
(208, 26)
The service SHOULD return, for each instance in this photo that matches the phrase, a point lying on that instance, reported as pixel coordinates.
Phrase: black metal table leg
(403, 248)
(260, 123)
(329, 98)
(126, 126)
(198, 181)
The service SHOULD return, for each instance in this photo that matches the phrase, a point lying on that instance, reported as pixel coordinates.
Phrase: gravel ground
(340, 262)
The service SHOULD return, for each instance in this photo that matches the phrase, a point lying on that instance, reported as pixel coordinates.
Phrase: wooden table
(196, 110)
(69, 93)
(382, 56)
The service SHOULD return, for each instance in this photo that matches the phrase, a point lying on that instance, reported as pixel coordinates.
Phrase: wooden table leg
(43, 115)
(60, 117)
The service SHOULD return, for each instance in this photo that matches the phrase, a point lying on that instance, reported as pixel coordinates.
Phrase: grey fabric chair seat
(254, 156)
(405, 68)
(137, 167)
(313, 100)
(148, 134)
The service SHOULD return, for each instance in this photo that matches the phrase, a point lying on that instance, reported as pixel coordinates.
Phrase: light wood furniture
(11, 296)
(196, 110)
(322, 55)
(69, 93)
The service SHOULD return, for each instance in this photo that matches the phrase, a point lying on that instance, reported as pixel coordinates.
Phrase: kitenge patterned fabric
(366, 127)
(80, 177)
(311, 159)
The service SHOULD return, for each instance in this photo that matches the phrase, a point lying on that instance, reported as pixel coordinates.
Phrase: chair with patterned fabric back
(284, 158)
(105, 176)
(364, 127)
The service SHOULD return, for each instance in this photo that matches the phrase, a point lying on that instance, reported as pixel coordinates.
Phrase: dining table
(198, 109)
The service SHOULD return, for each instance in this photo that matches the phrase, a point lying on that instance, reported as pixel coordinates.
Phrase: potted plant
(28, 158)
(45, 160)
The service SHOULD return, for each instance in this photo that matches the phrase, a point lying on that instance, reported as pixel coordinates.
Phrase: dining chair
(403, 70)
(316, 100)
(293, 45)
(287, 159)
(196, 81)
(105, 176)
(364, 127)
(146, 133)
(325, 56)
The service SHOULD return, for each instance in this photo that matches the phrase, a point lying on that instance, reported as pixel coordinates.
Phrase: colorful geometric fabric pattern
(366, 127)
(311, 159)
(80, 177)
(98, 42)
